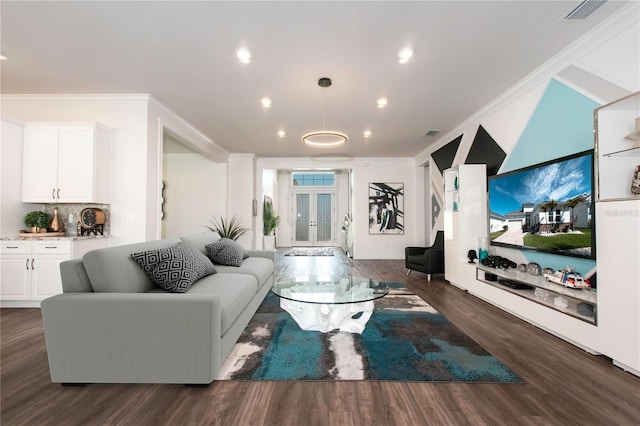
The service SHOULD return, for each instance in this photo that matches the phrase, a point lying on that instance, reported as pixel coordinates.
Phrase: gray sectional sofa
(112, 324)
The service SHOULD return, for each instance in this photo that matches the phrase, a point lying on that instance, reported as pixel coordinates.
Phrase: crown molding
(143, 97)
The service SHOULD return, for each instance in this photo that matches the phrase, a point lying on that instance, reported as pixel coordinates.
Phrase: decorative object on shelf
(635, 182)
(635, 135)
(585, 309)
(522, 267)
(548, 271)
(498, 262)
(541, 293)
(483, 248)
(567, 277)
(386, 208)
(561, 302)
(324, 138)
(91, 221)
(472, 256)
(37, 221)
(455, 183)
(231, 229)
(534, 269)
(56, 223)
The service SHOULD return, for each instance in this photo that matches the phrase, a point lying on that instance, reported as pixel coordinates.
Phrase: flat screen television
(547, 207)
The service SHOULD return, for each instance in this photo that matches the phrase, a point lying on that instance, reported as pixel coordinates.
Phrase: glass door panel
(314, 225)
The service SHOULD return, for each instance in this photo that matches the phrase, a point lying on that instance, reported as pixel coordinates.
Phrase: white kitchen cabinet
(66, 163)
(618, 232)
(31, 269)
(15, 270)
(465, 220)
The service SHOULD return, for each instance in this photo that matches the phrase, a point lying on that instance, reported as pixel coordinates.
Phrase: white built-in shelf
(574, 296)
(628, 152)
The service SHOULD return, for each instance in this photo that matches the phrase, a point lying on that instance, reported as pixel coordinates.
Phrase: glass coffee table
(325, 303)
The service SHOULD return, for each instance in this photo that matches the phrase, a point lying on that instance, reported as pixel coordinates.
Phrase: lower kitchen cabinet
(30, 270)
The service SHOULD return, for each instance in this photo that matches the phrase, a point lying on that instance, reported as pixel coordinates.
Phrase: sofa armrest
(132, 337)
(412, 251)
(268, 254)
(434, 258)
(74, 276)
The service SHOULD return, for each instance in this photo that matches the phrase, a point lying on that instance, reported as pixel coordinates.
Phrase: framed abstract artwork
(386, 208)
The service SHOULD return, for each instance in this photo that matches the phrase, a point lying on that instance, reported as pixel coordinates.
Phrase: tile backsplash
(69, 214)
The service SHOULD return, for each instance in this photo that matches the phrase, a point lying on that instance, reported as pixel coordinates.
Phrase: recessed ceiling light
(282, 133)
(404, 55)
(266, 102)
(243, 55)
(382, 102)
(366, 133)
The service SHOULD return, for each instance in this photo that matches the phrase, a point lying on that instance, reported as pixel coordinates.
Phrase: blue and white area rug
(405, 340)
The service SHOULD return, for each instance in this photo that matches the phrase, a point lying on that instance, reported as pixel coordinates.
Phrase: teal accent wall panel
(545, 260)
(561, 124)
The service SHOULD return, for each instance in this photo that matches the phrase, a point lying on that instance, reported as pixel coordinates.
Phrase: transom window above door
(313, 179)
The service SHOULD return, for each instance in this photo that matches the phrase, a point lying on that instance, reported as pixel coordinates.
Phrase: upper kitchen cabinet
(66, 163)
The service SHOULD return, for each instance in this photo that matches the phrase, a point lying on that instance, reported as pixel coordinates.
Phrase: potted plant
(270, 221)
(231, 229)
(37, 221)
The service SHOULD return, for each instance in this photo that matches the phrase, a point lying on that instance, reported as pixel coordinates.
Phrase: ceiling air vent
(431, 133)
(583, 10)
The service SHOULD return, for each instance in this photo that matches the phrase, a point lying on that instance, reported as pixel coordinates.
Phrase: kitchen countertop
(17, 237)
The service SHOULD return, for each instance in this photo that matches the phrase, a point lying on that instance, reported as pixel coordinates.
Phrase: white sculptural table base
(328, 317)
(324, 303)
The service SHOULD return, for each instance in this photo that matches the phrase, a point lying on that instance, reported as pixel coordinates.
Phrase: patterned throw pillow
(226, 252)
(174, 268)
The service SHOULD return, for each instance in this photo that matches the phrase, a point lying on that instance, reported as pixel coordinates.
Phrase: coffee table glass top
(330, 290)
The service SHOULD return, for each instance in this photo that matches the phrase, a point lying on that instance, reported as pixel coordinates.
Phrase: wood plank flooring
(564, 385)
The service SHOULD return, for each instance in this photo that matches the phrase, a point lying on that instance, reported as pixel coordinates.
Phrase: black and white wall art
(386, 208)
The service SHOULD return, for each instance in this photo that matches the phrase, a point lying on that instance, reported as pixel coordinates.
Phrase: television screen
(547, 207)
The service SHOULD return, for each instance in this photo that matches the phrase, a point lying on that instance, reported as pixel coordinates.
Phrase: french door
(314, 212)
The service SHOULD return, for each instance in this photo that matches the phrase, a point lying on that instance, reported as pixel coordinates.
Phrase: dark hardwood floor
(564, 385)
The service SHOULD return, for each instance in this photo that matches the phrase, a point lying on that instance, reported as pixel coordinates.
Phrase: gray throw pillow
(174, 268)
(226, 252)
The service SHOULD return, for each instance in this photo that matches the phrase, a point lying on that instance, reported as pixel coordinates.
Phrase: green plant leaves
(231, 229)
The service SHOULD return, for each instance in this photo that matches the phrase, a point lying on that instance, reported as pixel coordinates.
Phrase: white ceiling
(466, 53)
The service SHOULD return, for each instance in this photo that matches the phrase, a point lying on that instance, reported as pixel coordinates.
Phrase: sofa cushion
(260, 267)
(112, 269)
(235, 291)
(174, 268)
(226, 252)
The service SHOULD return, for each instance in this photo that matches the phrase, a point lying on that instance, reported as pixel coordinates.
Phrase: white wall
(196, 190)
(384, 246)
(12, 210)
(241, 178)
